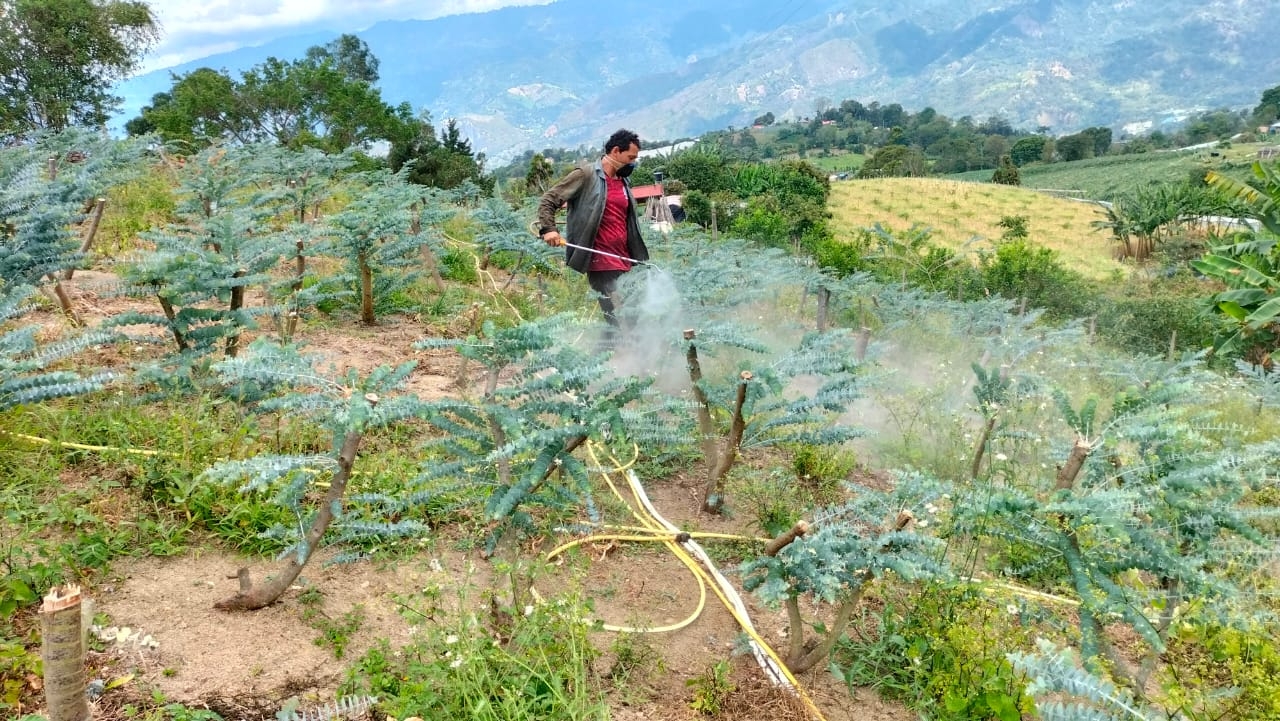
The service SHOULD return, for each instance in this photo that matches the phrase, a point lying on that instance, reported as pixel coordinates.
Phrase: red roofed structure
(644, 192)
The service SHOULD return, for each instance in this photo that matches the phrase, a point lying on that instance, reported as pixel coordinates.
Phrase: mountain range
(570, 72)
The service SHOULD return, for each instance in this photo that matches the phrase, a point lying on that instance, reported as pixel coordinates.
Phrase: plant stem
(169, 313)
(250, 597)
(366, 290)
(981, 448)
(800, 664)
(63, 655)
(495, 429)
(64, 302)
(85, 246)
(795, 629)
(237, 302)
(860, 344)
(713, 500)
(428, 255)
(786, 539)
(300, 264)
(706, 428)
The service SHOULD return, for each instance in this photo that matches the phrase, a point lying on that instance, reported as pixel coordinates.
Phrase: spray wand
(533, 229)
(609, 255)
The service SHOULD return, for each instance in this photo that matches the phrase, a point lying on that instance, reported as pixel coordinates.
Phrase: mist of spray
(652, 318)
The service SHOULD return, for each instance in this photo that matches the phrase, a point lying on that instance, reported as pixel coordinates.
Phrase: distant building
(1274, 128)
(643, 192)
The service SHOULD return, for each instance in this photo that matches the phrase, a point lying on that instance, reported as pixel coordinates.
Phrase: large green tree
(59, 59)
(349, 55)
(201, 105)
(1028, 149)
(444, 162)
(326, 100)
(1268, 110)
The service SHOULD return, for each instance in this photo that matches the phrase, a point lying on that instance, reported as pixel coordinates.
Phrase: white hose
(767, 664)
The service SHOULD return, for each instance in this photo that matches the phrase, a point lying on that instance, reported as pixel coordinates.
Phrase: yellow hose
(83, 447)
(650, 530)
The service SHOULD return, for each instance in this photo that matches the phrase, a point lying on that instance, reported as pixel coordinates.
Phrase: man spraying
(603, 235)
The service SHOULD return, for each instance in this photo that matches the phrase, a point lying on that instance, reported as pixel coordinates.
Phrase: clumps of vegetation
(942, 650)
(711, 689)
(1006, 173)
(503, 664)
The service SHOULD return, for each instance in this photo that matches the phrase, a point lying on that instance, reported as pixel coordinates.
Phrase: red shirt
(612, 234)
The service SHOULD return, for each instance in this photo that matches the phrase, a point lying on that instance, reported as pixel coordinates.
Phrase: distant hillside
(570, 72)
(1109, 177)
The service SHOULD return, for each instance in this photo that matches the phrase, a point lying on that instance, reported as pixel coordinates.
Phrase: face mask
(625, 170)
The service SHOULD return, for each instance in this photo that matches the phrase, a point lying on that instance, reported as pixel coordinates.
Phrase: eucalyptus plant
(540, 399)
(349, 407)
(1145, 509)
(47, 188)
(835, 558)
(372, 235)
(28, 372)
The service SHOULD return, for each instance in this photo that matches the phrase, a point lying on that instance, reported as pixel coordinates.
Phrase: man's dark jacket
(584, 189)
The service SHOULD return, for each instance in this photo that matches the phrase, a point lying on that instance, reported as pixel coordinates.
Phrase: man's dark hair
(621, 140)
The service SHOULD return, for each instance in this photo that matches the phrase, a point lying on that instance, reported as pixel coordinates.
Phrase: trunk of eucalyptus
(802, 661)
(495, 429)
(980, 449)
(473, 327)
(87, 245)
(63, 655)
(64, 302)
(706, 427)
(428, 256)
(251, 597)
(713, 499)
(1091, 627)
(237, 303)
(169, 313)
(366, 290)
(860, 344)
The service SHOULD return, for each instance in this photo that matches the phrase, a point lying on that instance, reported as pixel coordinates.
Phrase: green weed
(711, 688)
(494, 664)
(334, 633)
(943, 652)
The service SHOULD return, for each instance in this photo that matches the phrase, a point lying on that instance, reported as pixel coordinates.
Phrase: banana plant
(1261, 198)
(1251, 272)
(1249, 268)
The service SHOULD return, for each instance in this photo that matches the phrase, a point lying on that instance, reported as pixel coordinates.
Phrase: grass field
(1107, 177)
(959, 212)
(837, 162)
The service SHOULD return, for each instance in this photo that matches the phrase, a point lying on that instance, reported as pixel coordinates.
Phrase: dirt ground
(245, 665)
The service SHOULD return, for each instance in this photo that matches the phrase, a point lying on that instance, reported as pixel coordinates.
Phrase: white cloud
(196, 29)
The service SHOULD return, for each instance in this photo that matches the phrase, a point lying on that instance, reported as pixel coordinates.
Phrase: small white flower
(1012, 609)
(1001, 457)
(456, 662)
(922, 523)
(451, 639)
(528, 610)
(929, 507)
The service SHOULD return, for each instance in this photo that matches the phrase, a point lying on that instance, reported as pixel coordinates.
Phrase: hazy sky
(196, 28)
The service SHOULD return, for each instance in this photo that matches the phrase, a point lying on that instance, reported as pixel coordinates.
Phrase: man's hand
(553, 238)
